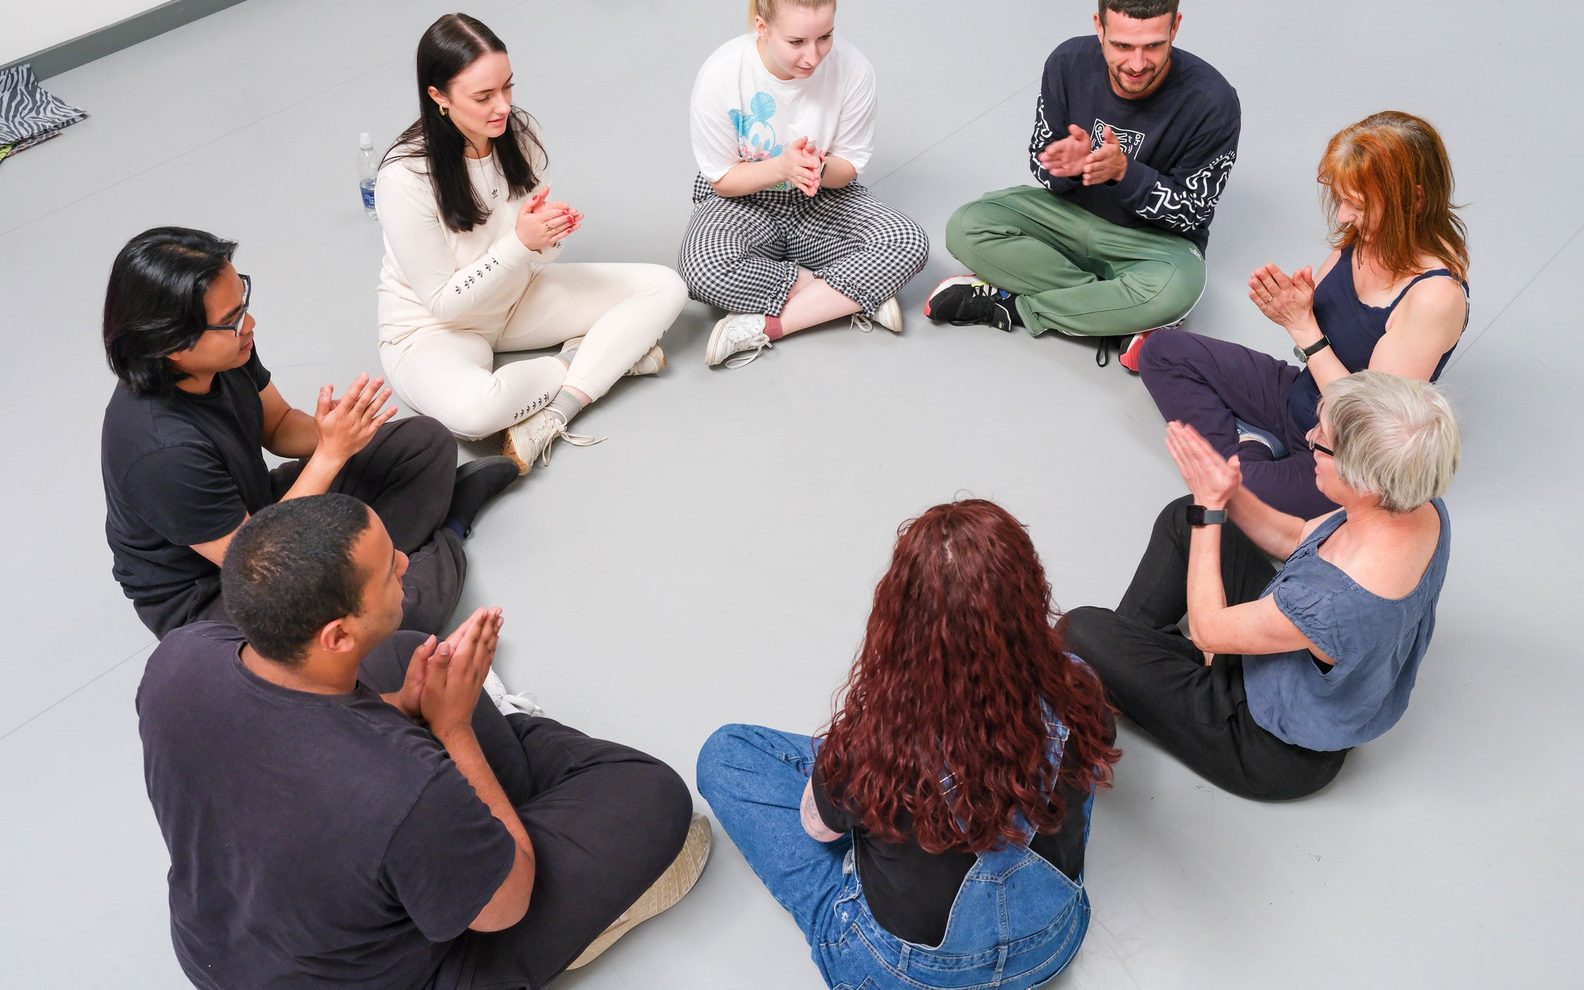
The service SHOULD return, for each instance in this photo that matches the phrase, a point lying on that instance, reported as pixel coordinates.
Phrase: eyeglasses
(1319, 447)
(247, 296)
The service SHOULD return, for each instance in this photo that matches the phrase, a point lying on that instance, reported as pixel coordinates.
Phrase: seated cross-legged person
(783, 236)
(324, 834)
(182, 450)
(472, 239)
(1393, 296)
(1284, 670)
(934, 838)
(1133, 143)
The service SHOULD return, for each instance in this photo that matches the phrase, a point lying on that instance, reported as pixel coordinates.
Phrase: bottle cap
(364, 141)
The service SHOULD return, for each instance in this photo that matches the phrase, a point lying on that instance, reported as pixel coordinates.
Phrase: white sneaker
(530, 440)
(509, 704)
(651, 363)
(889, 315)
(733, 335)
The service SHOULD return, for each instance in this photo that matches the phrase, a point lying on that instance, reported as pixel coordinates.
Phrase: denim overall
(1016, 921)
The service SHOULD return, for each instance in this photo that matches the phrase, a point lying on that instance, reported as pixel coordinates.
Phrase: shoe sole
(664, 893)
(509, 449)
(714, 342)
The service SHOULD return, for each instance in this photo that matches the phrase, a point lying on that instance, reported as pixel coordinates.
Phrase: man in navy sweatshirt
(1133, 142)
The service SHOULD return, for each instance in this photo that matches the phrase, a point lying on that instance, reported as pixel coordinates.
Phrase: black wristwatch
(1198, 515)
(1305, 353)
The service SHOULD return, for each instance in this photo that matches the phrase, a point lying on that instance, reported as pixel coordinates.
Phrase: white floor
(713, 560)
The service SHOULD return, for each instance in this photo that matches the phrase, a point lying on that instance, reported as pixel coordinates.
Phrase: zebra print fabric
(29, 114)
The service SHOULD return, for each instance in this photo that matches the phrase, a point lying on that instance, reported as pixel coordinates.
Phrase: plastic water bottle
(368, 169)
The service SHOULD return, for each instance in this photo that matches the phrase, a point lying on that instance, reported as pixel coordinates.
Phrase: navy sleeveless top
(1354, 328)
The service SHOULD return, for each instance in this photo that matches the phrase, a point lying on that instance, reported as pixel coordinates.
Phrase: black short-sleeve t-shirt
(909, 891)
(180, 470)
(315, 840)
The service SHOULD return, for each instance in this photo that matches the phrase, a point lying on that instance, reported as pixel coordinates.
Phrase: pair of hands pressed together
(444, 678)
(800, 164)
(1073, 156)
(1287, 300)
(542, 224)
(1211, 478)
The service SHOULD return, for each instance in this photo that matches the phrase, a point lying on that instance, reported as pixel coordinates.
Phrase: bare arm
(838, 173)
(813, 824)
(1273, 531)
(449, 693)
(288, 432)
(1426, 324)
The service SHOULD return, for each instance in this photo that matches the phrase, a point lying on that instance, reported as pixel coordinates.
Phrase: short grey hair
(1395, 438)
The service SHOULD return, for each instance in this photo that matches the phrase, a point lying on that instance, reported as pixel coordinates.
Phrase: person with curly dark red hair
(937, 830)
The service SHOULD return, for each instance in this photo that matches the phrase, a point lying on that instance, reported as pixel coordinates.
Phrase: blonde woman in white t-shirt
(782, 236)
(470, 234)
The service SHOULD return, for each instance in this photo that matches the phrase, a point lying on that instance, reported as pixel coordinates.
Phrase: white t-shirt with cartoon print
(742, 113)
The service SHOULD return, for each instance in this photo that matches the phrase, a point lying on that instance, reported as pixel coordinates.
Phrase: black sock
(477, 482)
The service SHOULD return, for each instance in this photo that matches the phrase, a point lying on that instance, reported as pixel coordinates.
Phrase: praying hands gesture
(444, 679)
(1287, 301)
(542, 225)
(1211, 478)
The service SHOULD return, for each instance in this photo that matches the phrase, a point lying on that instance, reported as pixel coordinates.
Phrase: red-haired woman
(937, 837)
(1392, 296)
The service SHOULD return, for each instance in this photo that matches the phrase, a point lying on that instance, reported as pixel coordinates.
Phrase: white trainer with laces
(530, 440)
(889, 315)
(735, 334)
(506, 702)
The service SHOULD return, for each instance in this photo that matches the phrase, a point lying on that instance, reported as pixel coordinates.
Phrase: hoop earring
(445, 111)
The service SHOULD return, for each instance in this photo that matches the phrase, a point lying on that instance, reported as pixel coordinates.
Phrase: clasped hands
(542, 224)
(444, 678)
(1074, 156)
(1287, 300)
(800, 165)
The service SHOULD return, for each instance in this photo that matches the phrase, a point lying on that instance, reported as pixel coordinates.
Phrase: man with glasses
(182, 449)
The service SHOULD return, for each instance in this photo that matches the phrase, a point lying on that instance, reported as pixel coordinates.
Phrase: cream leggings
(620, 310)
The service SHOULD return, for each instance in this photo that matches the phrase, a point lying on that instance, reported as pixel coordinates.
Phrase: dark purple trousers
(1210, 384)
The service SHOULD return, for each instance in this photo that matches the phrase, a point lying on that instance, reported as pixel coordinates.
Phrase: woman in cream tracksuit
(470, 234)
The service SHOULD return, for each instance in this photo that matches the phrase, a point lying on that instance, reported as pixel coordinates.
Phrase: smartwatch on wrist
(1198, 515)
(1305, 353)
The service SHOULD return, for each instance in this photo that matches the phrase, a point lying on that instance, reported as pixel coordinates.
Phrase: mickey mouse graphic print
(742, 113)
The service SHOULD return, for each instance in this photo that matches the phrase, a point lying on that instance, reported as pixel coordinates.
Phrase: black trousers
(405, 475)
(605, 821)
(1158, 678)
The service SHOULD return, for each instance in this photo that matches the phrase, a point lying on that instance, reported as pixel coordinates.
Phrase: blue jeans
(1017, 920)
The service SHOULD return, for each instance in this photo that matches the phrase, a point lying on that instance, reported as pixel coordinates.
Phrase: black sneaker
(963, 300)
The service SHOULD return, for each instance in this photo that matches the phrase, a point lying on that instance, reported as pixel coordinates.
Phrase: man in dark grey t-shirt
(194, 409)
(323, 834)
(1133, 143)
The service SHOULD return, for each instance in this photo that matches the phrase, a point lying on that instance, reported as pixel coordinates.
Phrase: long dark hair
(154, 304)
(451, 44)
(959, 653)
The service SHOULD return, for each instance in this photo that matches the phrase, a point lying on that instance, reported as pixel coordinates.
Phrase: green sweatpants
(1072, 271)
